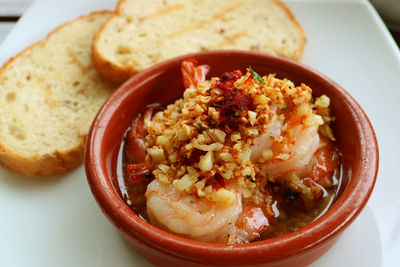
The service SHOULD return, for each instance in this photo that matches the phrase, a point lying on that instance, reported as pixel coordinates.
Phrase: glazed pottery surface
(163, 84)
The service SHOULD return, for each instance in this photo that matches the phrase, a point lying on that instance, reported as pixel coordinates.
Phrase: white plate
(56, 222)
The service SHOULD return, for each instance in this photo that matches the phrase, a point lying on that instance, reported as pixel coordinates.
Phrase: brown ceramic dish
(162, 83)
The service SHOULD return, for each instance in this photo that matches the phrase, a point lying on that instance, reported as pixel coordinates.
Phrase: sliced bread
(49, 95)
(142, 33)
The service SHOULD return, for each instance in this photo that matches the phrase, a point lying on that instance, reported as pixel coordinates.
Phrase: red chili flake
(139, 173)
(217, 182)
(248, 80)
(194, 157)
(228, 79)
(232, 100)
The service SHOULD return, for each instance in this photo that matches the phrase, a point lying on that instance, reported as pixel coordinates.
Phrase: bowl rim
(339, 216)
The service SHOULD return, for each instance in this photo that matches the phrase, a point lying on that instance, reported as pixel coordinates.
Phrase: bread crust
(59, 161)
(108, 71)
(116, 73)
(56, 163)
(296, 22)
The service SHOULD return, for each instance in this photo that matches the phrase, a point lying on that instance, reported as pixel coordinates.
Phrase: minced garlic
(208, 134)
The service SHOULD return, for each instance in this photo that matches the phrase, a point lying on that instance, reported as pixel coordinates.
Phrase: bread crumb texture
(49, 95)
(146, 32)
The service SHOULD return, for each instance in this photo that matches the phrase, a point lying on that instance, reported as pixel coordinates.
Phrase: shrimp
(192, 73)
(188, 215)
(135, 144)
(202, 219)
(199, 218)
(311, 181)
(303, 146)
(265, 141)
(139, 173)
(305, 143)
(326, 163)
(312, 163)
(302, 160)
(249, 226)
(301, 153)
(136, 150)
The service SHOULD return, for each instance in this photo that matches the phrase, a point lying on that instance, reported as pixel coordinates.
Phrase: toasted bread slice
(142, 33)
(49, 95)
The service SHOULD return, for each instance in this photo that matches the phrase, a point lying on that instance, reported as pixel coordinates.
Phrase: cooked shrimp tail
(251, 223)
(327, 163)
(135, 146)
(192, 73)
(139, 173)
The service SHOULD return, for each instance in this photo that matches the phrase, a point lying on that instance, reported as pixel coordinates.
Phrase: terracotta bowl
(163, 83)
